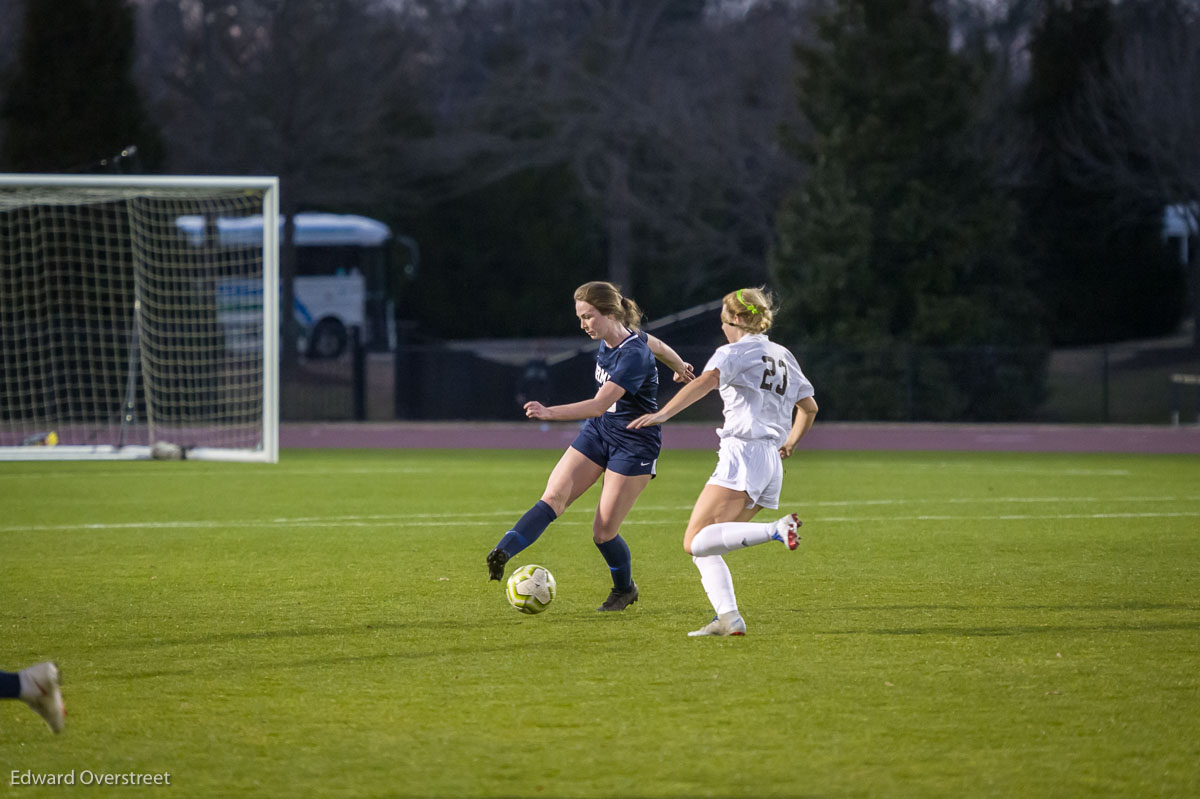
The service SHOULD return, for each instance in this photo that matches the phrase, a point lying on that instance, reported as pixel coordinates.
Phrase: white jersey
(761, 383)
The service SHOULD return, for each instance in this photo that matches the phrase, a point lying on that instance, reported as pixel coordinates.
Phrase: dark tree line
(1096, 248)
(900, 242)
(911, 175)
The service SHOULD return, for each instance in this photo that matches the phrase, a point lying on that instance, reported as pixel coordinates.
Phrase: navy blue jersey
(631, 366)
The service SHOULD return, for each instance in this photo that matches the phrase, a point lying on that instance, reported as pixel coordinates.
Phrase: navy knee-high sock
(528, 528)
(10, 685)
(616, 554)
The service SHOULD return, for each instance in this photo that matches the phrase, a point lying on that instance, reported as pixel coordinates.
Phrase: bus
(342, 266)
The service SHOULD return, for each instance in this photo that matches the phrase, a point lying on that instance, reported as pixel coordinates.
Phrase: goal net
(129, 327)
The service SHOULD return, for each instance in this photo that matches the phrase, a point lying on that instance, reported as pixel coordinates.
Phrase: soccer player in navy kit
(626, 388)
(36, 686)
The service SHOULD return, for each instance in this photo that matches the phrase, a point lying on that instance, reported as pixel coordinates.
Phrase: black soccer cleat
(619, 600)
(495, 563)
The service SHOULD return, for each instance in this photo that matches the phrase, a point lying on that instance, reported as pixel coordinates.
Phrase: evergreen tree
(899, 243)
(1104, 271)
(71, 102)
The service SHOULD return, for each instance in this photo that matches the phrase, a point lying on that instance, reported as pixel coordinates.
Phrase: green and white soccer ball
(531, 589)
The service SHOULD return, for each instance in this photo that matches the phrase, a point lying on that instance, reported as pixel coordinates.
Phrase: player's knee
(557, 501)
(601, 533)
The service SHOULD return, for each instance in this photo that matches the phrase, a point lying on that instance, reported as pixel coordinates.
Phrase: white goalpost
(129, 328)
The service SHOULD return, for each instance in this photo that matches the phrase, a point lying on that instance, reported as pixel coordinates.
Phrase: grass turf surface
(953, 624)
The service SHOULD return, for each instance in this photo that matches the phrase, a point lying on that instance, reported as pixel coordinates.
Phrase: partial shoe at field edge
(41, 692)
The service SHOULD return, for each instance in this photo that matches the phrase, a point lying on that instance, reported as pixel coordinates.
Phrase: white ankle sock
(725, 537)
(717, 582)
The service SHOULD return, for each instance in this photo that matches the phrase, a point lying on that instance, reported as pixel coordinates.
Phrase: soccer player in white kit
(769, 407)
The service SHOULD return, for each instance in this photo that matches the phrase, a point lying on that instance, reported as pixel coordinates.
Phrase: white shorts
(751, 466)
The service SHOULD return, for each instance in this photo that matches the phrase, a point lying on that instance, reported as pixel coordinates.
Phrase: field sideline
(953, 624)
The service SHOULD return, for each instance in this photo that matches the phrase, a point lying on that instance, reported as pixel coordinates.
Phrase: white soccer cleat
(785, 530)
(730, 623)
(40, 691)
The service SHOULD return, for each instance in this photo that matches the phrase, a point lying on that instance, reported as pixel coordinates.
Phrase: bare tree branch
(670, 128)
(1137, 124)
(667, 118)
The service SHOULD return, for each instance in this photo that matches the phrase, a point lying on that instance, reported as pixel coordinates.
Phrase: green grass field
(952, 625)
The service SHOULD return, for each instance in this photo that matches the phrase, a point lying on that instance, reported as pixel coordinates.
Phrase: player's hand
(536, 410)
(786, 450)
(686, 376)
(649, 420)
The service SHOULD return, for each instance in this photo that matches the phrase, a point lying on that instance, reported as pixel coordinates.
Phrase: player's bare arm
(806, 414)
(684, 373)
(609, 393)
(686, 396)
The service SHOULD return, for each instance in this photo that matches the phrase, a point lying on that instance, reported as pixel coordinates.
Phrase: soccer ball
(531, 589)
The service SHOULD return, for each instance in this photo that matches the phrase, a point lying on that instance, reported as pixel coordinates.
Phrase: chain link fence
(1115, 384)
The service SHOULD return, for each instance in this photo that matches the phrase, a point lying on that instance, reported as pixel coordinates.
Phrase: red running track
(831, 436)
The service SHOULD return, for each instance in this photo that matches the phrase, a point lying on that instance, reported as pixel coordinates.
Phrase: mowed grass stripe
(489, 518)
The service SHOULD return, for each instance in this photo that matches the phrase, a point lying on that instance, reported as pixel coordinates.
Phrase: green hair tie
(749, 306)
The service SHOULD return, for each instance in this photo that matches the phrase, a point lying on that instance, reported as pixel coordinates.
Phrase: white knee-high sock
(725, 537)
(717, 582)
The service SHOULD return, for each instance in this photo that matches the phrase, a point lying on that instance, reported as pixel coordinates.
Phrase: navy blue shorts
(628, 452)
